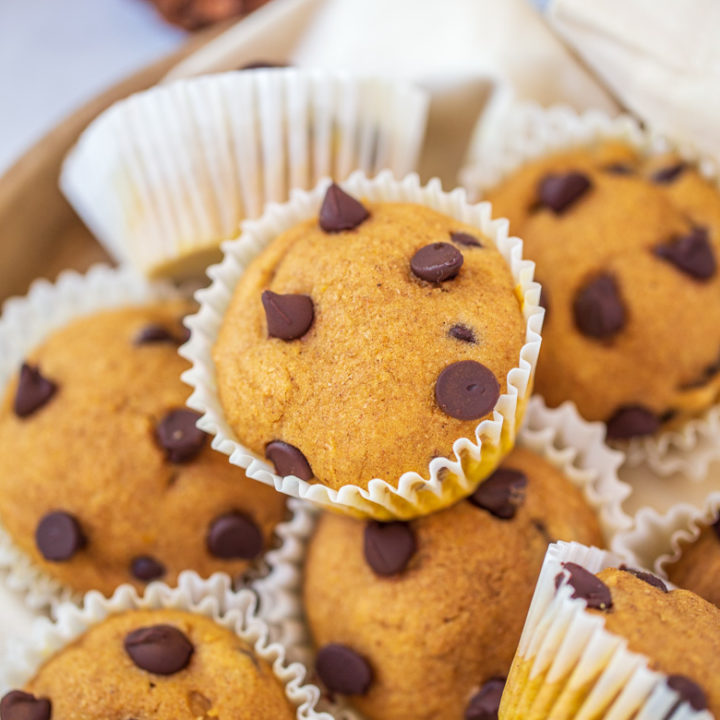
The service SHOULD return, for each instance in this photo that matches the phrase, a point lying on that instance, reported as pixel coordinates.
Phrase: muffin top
(676, 630)
(152, 664)
(626, 251)
(457, 583)
(363, 344)
(698, 567)
(105, 478)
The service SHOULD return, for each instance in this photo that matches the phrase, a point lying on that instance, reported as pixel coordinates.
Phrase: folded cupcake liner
(212, 598)
(26, 322)
(569, 667)
(528, 132)
(411, 494)
(163, 177)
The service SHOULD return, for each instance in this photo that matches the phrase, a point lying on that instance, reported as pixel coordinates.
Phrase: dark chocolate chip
(288, 460)
(159, 649)
(19, 705)
(559, 191)
(647, 577)
(388, 546)
(152, 334)
(465, 239)
(598, 309)
(33, 391)
(341, 211)
(586, 586)
(177, 433)
(669, 174)
(632, 421)
(689, 691)
(342, 670)
(437, 262)
(234, 536)
(146, 568)
(288, 316)
(485, 703)
(502, 493)
(59, 536)
(466, 390)
(691, 254)
(263, 65)
(618, 169)
(462, 332)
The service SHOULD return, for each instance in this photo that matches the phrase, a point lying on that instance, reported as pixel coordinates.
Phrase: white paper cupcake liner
(211, 598)
(163, 177)
(411, 494)
(568, 666)
(518, 134)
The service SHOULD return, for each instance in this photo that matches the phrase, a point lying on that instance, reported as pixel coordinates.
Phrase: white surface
(57, 54)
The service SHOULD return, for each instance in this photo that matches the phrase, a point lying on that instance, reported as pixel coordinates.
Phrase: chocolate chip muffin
(152, 663)
(626, 250)
(364, 343)
(106, 479)
(421, 619)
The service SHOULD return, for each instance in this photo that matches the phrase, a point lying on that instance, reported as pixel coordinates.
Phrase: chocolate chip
(502, 493)
(632, 421)
(288, 316)
(716, 527)
(33, 390)
(340, 211)
(178, 434)
(19, 705)
(153, 333)
(232, 536)
(647, 577)
(462, 332)
(288, 460)
(342, 670)
(263, 65)
(689, 691)
(466, 390)
(159, 649)
(437, 262)
(146, 568)
(691, 254)
(485, 703)
(559, 191)
(465, 239)
(585, 585)
(598, 309)
(59, 536)
(388, 546)
(618, 169)
(669, 174)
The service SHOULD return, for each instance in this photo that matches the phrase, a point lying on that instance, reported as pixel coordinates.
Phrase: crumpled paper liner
(411, 494)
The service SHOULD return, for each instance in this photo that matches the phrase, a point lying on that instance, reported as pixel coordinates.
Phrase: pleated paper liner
(529, 132)
(163, 177)
(568, 667)
(411, 494)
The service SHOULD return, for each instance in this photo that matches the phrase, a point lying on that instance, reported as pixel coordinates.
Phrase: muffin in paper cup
(163, 177)
(447, 479)
(569, 666)
(212, 598)
(518, 135)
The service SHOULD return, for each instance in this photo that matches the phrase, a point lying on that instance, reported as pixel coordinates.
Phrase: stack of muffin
(370, 347)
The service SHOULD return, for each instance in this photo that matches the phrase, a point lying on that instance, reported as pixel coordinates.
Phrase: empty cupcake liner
(568, 666)
(529, 131)
(24, 323)
(163, 177)
(411, 494)
(213, 598)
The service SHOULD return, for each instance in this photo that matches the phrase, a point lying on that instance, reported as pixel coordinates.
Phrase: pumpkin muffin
(421, 619)
(364, 343)
(152, 663)
(106, 479)
(626, 249)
